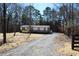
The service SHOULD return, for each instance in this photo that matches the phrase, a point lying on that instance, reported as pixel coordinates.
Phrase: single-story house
(35, 28)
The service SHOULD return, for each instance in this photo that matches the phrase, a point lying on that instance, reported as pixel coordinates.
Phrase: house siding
(38, 28)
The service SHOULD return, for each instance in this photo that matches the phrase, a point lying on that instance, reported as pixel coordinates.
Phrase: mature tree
(31, 13)
(15, 10)
(1, 16)
(47, 14)
(54, 19)
(64, 15)
(14, 13)
(4, 23)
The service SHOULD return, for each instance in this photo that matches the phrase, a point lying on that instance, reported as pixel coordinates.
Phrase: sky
(42, 6)
(39, 1)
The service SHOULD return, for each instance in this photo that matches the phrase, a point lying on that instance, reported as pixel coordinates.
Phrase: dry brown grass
(63, 44)
(14, 41)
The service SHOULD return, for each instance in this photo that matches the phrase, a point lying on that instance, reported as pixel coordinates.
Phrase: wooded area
(63, 18)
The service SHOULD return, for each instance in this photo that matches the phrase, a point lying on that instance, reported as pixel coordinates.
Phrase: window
(42, 28)
(34, 28)
(23, 28)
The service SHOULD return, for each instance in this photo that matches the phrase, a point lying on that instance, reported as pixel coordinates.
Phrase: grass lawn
(14, 41)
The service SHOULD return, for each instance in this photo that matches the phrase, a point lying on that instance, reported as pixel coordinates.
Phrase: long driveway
(41, 47)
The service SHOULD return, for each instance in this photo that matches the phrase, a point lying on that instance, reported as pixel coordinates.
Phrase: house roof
(36, 26)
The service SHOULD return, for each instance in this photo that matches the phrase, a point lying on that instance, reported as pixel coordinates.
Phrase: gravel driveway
(41, 47)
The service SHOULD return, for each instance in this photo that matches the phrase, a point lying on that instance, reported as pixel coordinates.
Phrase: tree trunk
(4, 23)
(14, 30)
